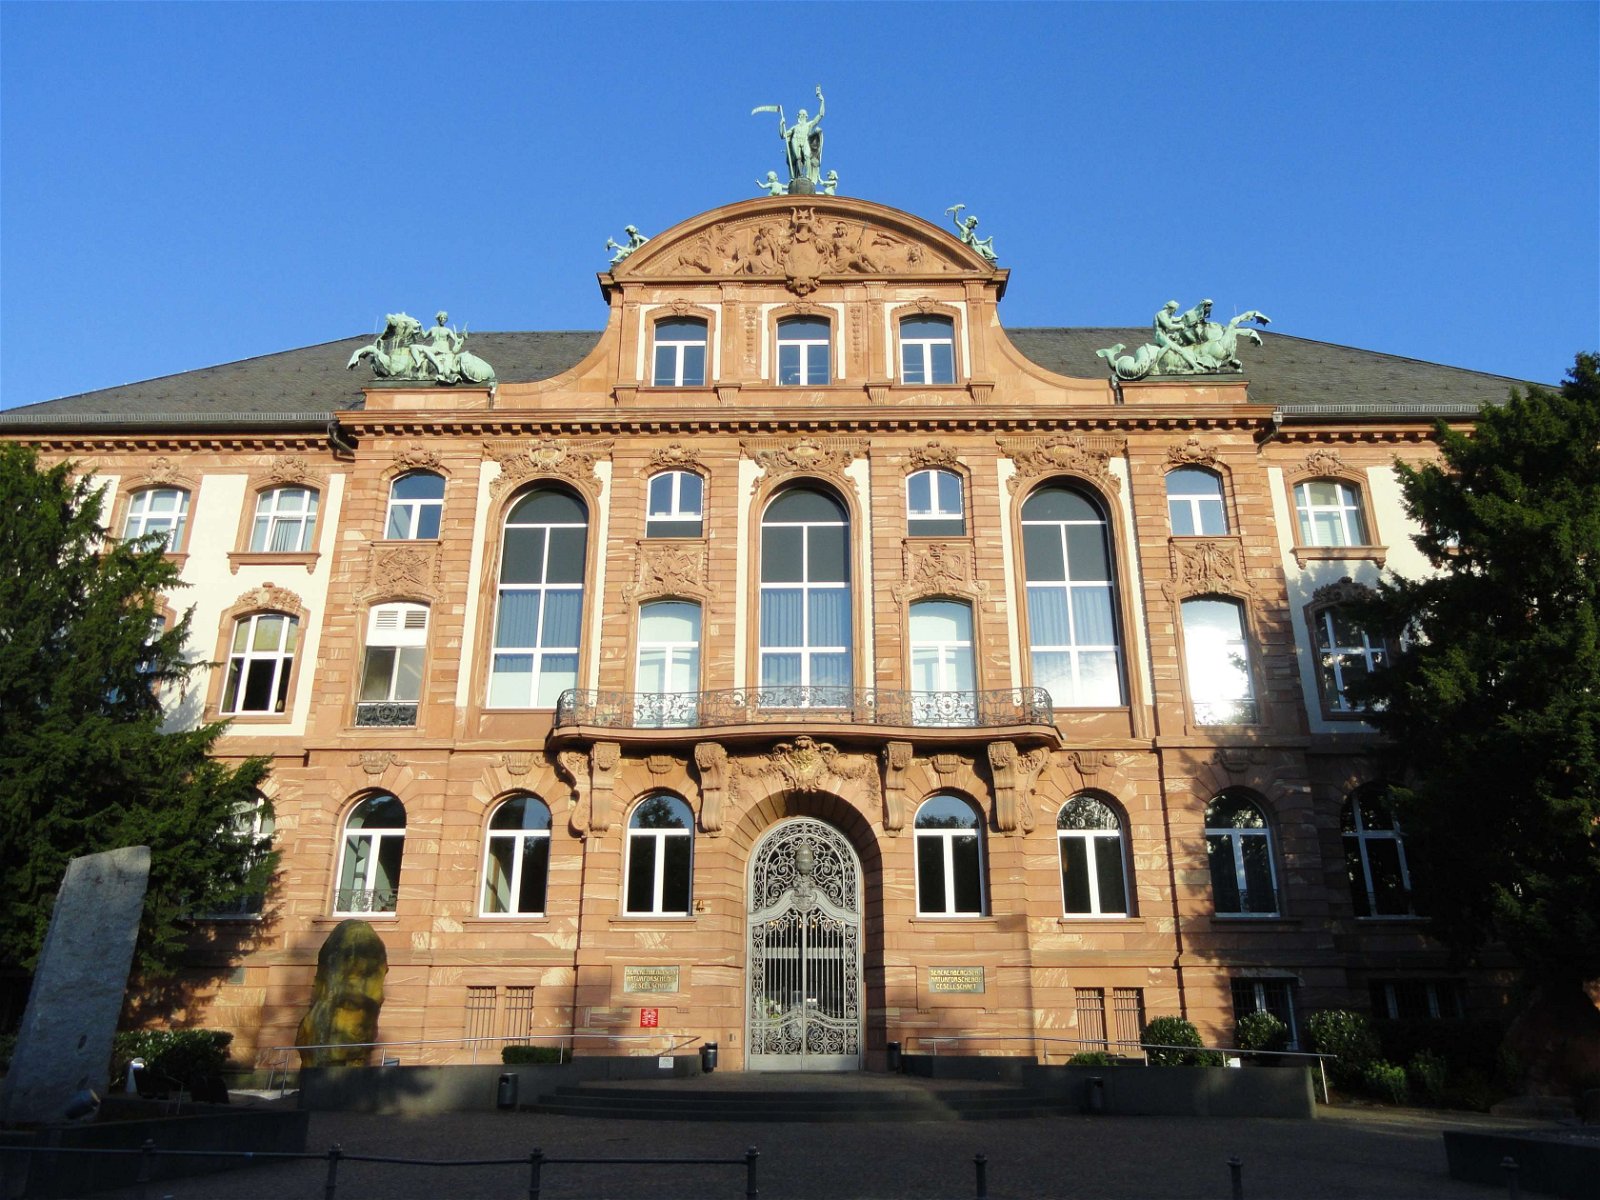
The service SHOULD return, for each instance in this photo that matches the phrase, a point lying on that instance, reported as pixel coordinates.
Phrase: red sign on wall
(649, 1018)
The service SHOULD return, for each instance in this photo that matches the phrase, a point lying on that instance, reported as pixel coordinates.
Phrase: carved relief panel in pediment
(937, 569)
(1209, 566)
(408, 569)
(668, 569)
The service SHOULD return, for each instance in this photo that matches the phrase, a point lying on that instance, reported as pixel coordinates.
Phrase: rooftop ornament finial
(400, 352)
(1186, 343)
(802, 147)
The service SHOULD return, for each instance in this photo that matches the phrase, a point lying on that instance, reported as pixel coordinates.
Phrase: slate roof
(1296, 375)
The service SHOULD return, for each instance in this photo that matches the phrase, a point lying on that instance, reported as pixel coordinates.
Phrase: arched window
(927, 350)
(1093, 865)
(540, 604)
(1239, 850)
(680, 356)
(675, 507)
(1346, 654)
(942, 671)
(805, 601)
(416, 503)
(369, 864)
(163, 511)
(1217, 660)
(933, 505)
(1375, 856)
(391, 673)
(1194, 502)
(1329, 512)
(668, 678)
(660, 857)
(286, 521)
(516, 860)
(260, 662)
(803, 358)
(1072, 620)
(949, 859)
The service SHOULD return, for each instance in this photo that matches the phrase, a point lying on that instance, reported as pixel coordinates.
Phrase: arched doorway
(804, 1004)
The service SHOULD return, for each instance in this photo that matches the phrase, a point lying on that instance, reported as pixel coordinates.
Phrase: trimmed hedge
(1261, 1030)
(1349, 1036)
(1175, 1031)
(1091, 1058)
(192, 1059)
(514, 1056)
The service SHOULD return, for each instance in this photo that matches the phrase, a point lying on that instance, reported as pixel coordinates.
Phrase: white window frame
(1094, 840)
(1432, 989)
(945, 838)
(808, 346)
(1351, 524)
(947, 703)
(677, 347)
(240, 661)
(367, 887)
(659, 865)
(935, 510)
(659, 709)
(1258, 988)
(410, 510)
(806, 586)
(538, 651)
(1196, 505)
(1362, 838)
(921, 348)
(1075, 650)
(518, 838)
(274, 513)
(402, 627)
(141, 520)
(1206, 674)
(1331, 658)
(252, 819)
(678, 511)
(1235, 839)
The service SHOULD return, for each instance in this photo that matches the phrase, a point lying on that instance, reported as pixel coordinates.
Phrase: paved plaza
(1358, 1153)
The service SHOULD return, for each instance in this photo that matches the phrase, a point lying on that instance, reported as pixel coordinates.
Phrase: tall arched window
(416, 504)
(803, 358)
(680, 356)
(1194, 502)
(805, 601)
(1239, 850)
(949, 859)
(927, 350)
(933, 504)
(369, 863)
(660, 857)
(516, 860)
(1093, 866)
(158, 510)
(1375, 856)
(942, 671)
(540, 604)
(668, 677)
(1217, 661)
(1072, 620)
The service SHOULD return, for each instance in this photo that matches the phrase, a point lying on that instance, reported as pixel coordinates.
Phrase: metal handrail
(791, 703)
(1143, 1048)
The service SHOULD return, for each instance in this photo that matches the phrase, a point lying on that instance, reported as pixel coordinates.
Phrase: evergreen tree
(1493, 712)
(85, 764)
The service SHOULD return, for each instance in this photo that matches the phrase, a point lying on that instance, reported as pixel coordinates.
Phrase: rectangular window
(480, 1012)
(1127, 1006)
(1217, 658)
(1091, 1009)
(286, 521)
(1417, 999)
(1275, 996)
(517, 1016)
(391, 674)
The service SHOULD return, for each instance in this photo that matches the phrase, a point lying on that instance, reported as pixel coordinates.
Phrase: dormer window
(927, 350)
(803, 359)
(680, 353)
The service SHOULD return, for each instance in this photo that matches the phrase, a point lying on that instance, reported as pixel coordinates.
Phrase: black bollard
(147, 1155)
(982, 1165)
(535, 1166)
(751, 1191)
(1236, 1172)
(1512, 1171)
(331, 1190)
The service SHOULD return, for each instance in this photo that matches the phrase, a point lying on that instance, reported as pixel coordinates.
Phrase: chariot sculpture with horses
(400, 352)
(1188, 343)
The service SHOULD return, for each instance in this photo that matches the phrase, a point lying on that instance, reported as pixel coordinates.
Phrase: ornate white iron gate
(804, 1011)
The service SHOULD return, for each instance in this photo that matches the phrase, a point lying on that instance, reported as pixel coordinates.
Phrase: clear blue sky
(183, 185)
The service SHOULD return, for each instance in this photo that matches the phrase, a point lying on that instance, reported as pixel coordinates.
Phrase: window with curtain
(949, 859)
(516, 859)
(668, 677)
(286, 521)
(1217, 662)
(803, 357)
(680, 352)
(1239, 851)
(416, 505)
(369, 862)
(1093, 865)
(539, 607)
(674, 505)
(927, 350)
(391, 670)
(1375, 856)
(942, 668)
(933, 504)
(260, 662)
(1329, 513)
(1194, 503)
(660, 858)
(163, 511)
(1072, 624)
(805, 601)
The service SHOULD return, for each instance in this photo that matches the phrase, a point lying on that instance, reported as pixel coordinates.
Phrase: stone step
(689, 1103)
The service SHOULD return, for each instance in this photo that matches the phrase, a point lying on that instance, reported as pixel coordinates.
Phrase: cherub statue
(771, 185)
(830, 184)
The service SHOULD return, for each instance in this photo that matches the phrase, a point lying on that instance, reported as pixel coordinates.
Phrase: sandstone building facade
(803, 664)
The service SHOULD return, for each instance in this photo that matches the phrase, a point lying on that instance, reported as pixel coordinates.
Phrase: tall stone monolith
(64, 1045)
(345, 998)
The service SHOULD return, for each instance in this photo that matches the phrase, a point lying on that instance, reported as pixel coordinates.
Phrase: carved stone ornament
(1013, 776)
(402, 570)
(946, 765)
(1090, 763)
(896, 760)
(673, 456)
(1235, 761)
(162, 471)
(805, 763)
(933, 454)
(666, 569)
(1211, 566)
(937, 569)
(1083, 455)
(545, 457)
(517, 762)
(270, 597)
(376, 762)
(807, 455)
(415, 458)
(1345, 591)
(716, 792)
(288, 469)
(1191, 453)
(574, 764)
(1323, 461)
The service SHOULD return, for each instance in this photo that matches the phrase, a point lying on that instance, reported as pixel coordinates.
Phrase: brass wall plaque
(955, 979)
(649, 979)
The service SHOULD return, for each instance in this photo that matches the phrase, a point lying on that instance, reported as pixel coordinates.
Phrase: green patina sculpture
(966, 230)
(342, 1023)
(802, 147)
(772, 186)
(635, 240)
(830, 185)
(1187, 343)
(403, 351)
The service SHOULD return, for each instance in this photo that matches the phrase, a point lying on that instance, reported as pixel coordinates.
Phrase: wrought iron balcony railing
(791, 704)
(360, 900)
(386, 713)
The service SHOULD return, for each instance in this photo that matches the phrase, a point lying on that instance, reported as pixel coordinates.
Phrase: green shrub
(1175, 1031)
(1428, 1073)
(8, 1047)
(1091, 1058)
(1385, 1081)
(1464, 1045)
(190, 1058)
(1349, 1036)
(1261, 1030)
(527, 1055)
